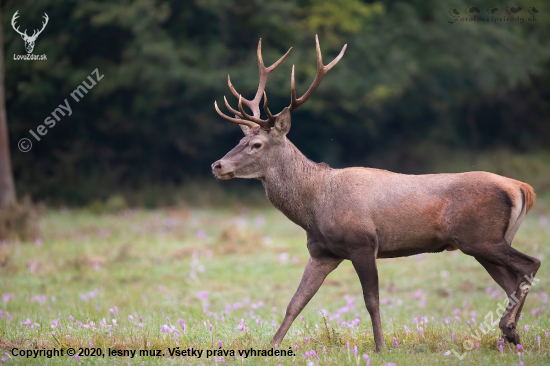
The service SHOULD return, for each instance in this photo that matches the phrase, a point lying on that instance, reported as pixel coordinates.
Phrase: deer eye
(257, 145)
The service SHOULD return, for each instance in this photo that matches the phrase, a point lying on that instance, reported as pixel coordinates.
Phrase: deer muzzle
(222, 170)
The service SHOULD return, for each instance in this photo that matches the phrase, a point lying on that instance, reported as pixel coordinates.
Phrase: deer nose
(217, 166)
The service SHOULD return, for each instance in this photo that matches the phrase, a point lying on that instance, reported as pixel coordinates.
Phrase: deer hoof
(511, 335)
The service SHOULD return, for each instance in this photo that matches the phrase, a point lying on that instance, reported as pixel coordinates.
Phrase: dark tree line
(410, 84)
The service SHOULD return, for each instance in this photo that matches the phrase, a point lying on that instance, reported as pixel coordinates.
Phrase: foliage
(19, 221)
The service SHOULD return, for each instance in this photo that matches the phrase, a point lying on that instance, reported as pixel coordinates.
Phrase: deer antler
(321, 72)
(252, 121)
(15, 16)
(254, 104)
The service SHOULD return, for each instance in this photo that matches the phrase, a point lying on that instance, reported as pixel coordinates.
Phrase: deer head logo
(29, 40)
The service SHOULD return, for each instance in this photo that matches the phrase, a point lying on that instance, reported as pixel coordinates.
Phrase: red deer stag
(361, 214)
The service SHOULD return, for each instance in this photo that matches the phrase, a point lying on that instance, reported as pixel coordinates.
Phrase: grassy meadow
(201, 278)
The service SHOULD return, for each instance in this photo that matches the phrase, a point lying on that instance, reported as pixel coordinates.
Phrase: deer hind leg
(507, 280)
(513, 271)
(516, 218)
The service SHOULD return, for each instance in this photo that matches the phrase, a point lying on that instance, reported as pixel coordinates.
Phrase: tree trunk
(7, 186)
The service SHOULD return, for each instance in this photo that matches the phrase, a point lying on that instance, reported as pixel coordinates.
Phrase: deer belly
(402, 243)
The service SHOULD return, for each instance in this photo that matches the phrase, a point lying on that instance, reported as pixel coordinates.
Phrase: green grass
(156, 264)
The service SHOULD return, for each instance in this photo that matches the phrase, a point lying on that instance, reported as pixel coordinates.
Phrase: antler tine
(263, 124)
(270, 117)
(235, 112)
(259, 121)
(293, 102)
(235, 93)
(234, 120)
(321, 72)
(276, 63)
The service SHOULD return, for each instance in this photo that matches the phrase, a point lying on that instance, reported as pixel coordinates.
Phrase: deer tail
(529, 195)
(526, 199)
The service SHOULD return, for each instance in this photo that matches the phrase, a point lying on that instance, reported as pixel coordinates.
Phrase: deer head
(29, 40)
(264, 139)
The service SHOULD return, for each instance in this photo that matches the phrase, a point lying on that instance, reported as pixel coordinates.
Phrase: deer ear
(282, 122)
(246, 129)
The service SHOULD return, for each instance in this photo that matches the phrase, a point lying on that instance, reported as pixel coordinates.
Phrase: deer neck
(292, 185)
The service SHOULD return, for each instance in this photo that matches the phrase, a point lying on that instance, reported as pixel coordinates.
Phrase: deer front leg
(364, 262)
(316, 271)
